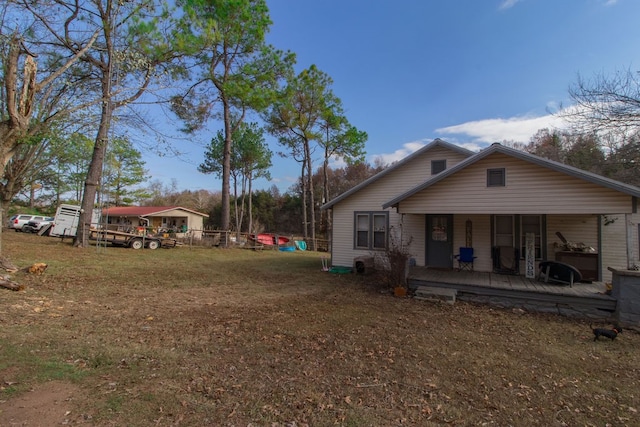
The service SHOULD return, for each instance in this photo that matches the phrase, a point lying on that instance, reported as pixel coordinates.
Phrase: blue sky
(471, 72)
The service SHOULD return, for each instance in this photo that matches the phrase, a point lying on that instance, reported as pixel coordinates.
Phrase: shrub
(392, 264)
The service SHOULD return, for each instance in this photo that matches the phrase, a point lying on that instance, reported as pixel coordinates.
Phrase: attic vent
(438, 166)
(496, 177)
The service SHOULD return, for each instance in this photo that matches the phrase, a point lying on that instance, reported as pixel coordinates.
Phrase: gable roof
(435, 143)
(145, 210)
(531, 158)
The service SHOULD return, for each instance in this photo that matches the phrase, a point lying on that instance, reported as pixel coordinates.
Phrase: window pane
(362, 239)
(379, 240)
(439, 229)
(379, 223)
(363, 222)
(379, 231)
(530, 223)
(504, 224)
(362, 231)
(503, 230)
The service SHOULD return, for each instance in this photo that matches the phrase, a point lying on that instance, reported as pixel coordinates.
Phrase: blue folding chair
(465, 259)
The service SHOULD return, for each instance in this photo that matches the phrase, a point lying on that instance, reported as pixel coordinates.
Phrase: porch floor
(518, 291)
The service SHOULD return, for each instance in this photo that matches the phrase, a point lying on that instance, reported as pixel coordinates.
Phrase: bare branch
(605, 103)
(70, 61)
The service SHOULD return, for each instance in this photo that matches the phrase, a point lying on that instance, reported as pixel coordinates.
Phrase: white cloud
(508, 4)
(478, 134)
(488, 131)
(400, 153)
(610, 2)
(336, 162)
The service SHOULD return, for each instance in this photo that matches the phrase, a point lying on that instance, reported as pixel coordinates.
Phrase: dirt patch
(48, 404)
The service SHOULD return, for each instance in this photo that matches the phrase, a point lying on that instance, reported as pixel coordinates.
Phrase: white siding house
(368, 197)
(487, 200)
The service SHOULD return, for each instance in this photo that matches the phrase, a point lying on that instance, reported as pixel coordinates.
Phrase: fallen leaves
(246, 346)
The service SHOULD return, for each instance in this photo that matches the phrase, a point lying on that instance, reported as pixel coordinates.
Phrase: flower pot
(400, 291)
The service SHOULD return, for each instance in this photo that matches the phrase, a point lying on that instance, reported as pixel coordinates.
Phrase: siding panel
(529, 189)
(614, 243)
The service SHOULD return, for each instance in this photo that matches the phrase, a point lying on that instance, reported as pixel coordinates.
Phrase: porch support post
(630, 242)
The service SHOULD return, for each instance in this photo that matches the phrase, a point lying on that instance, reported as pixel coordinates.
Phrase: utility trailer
(130, 240)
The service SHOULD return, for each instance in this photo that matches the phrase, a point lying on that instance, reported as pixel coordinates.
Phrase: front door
(439, 250)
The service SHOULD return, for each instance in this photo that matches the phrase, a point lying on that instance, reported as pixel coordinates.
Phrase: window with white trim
(371, 230)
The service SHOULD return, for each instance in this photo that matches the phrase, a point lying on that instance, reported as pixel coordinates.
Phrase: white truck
(66, 220)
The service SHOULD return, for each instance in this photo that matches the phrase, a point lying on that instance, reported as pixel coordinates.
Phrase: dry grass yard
(231, 337)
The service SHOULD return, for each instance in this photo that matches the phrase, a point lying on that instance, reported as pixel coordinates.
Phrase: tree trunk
(303, 183)
(325, 218)
(8, 284)
(2, 216)
(235, 205)
(312, 213)
(225, 214)
(19, 109)
(32, 195)
(95, 172)
(243, 192)
(58, 188)
(250, 207)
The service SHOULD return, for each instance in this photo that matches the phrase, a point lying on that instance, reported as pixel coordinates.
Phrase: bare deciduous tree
(605, 103)
(31, 103)
(117, 69)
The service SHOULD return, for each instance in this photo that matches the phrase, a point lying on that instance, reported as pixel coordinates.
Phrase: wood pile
(5, 281)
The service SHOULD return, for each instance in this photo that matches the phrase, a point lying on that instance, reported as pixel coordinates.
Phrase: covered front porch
(589, 242)
(516, 291)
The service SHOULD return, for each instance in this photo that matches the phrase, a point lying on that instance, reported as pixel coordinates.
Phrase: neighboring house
(161, 218)
(443, 197)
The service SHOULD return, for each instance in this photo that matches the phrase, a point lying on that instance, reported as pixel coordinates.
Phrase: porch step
(432, 293)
